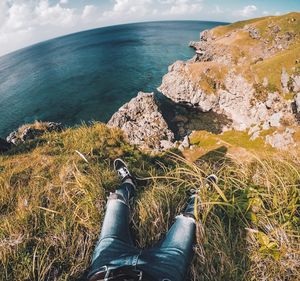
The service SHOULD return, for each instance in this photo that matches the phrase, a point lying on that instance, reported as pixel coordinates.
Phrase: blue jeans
(169, 260)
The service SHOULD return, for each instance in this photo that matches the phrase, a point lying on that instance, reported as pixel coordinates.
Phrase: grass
(262, 23)
(236, 143)
(249, 228)
(52, 202)
(272, 67)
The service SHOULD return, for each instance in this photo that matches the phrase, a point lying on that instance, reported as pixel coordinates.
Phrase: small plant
(272, 88)
(261, 92)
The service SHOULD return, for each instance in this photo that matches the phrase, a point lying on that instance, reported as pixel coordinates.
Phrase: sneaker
(193, 206)
(212, 179)
(209, 181)
(122, 170)
(194, 202)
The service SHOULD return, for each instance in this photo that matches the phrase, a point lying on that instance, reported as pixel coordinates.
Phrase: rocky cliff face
(248, 71)
(143, 123)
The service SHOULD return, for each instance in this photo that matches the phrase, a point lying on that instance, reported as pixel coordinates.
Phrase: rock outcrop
(32, 131)
(143, 123)
(236, 98)
(244, 71)
(281, 140)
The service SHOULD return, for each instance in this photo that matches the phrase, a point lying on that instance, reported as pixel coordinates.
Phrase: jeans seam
(136, 259)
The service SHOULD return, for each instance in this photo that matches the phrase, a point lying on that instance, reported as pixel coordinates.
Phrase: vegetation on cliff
(249, 73)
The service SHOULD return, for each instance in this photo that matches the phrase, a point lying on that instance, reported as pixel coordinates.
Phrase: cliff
(249, 71)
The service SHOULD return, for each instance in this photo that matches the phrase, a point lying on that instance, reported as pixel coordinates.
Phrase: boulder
(276, 28)
(296, 83)
(205, 35)
(178, 88)
(253, 32)
(194, 44)
(166, 145)
(297, 101)
(255, 136)
(274, 120)
(143, 124)
(185, 143)
(284, 80)
(281, 140)
(32, 131)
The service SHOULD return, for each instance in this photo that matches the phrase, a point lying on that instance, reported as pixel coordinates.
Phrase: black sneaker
(209, 181)
(122, 170)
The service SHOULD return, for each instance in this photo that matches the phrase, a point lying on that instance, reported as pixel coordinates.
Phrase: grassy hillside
(52, 203)
(276, 46)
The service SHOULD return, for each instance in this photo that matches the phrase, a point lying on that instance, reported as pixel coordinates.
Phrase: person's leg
(172, 257)
(115, 242)
(181, 237)
(116, 220)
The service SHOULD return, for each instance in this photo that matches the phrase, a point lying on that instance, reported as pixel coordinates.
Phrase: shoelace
(123, 172)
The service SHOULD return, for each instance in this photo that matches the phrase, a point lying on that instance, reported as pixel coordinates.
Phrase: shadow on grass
(216, 155)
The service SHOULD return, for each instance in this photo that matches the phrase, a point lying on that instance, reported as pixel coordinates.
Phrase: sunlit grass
(52, 202)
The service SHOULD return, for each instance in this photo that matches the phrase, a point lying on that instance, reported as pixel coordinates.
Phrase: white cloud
(129, 7)
(90, 13)
(183, 7)
(63, 1)
(54, 15)
(247, 11)
(26, 22)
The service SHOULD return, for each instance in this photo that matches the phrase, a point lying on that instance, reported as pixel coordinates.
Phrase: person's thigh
(181, 235)
(171, 258)
(163, 265)
(115, 244)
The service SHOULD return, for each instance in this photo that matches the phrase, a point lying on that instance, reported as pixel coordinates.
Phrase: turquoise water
(89, 75)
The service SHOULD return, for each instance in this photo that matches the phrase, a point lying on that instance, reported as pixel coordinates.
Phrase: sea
(87, 76)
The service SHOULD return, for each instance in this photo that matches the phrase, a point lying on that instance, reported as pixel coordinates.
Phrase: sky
(26, 22)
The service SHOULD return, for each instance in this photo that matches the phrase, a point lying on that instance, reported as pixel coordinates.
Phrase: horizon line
(107, 26)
